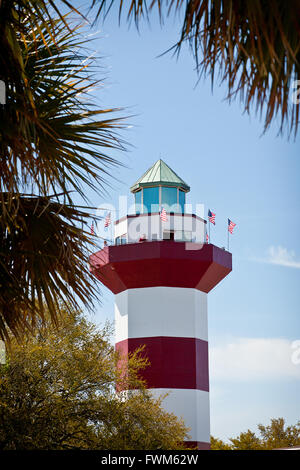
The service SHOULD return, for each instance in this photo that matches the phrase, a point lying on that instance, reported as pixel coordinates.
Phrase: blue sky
(239, 173)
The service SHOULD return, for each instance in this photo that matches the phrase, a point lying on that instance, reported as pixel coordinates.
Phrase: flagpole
(227, 238)
(111, 237)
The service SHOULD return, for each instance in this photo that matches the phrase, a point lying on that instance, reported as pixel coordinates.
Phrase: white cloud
(282, 257)
(248, 359)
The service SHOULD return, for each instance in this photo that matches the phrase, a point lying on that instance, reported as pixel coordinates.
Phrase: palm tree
(252, 45)
(54, 142)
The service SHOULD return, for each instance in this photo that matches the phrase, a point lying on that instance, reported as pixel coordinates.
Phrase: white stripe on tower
(193, 407)
(172, 323)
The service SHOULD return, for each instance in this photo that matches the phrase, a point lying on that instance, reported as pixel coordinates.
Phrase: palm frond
(55, 137)
(43, 261)
(253, 46)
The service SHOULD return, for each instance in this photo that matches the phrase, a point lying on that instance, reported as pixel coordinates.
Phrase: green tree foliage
(246, 441)
(274, 436)
(57, 391)
(218, 444)
(278, 434)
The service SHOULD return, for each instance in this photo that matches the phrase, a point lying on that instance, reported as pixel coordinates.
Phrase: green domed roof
(160, 174)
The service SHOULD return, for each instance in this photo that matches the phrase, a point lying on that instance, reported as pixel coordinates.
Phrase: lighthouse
(160, 269)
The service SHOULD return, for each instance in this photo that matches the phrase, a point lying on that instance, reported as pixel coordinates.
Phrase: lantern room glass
(151, 199)
(138, 202)
(181, 200)
(169, 199)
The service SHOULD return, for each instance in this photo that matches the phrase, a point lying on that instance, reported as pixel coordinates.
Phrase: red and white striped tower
(160, 288)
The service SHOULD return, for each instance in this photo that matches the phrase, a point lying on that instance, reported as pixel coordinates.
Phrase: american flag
(212, 217)
(231, 226)
(163, 215)
(107, 220)
(92, 229)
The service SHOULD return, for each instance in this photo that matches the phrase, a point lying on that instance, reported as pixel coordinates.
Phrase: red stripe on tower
(184, 365)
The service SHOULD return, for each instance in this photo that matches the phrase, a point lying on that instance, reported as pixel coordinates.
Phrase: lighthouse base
(197, 445)
(193, 407)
